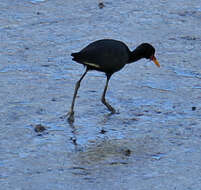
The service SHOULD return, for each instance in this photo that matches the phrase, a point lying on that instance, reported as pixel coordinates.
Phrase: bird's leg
(71, 112)
(103, 96)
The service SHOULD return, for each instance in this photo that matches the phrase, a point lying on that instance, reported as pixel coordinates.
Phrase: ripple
(187, 73)
(36, 1)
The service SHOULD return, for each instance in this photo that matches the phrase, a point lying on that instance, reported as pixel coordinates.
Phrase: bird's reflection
(107, 117)
(74, 137)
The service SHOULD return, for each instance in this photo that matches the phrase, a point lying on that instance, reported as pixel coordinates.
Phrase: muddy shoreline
(154, 141)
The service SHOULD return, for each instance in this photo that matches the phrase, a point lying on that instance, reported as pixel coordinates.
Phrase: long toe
(111, 108)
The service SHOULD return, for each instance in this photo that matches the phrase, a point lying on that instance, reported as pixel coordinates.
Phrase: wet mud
(153, 142)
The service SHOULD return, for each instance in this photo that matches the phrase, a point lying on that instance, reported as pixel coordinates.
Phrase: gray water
(155, 140)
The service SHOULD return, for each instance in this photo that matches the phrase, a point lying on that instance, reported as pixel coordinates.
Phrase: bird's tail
(76, 56)
(73, 55)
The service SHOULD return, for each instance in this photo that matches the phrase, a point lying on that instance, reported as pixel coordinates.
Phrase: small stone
(39, 128)
(101, 5)
(158, 112)
(139, 114)
(53, 99)
(193, 108)
(127, 152)
(103, 131)
(74, 140)
(134, 119)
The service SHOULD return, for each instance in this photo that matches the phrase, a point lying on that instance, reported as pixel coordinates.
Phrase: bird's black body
(108, 56)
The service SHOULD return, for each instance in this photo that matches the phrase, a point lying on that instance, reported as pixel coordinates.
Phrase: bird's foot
(70, 116)
(113, 111)
(111, 108)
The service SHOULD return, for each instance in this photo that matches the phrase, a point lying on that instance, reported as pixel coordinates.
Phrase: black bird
(108, 56)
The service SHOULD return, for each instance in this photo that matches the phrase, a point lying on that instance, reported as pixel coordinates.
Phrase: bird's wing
(88, 56)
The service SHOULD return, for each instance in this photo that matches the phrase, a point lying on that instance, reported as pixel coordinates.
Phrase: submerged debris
(193, 108)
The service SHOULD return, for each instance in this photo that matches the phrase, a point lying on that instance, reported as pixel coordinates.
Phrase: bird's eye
(151, 57)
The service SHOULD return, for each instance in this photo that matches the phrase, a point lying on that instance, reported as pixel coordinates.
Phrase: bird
(108, 56)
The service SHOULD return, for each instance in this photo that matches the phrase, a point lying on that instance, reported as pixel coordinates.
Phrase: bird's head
(147, 51)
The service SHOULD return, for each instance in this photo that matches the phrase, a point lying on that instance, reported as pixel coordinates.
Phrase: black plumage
(108, 56)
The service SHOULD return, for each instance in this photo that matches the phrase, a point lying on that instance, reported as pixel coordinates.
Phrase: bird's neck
(135, 55)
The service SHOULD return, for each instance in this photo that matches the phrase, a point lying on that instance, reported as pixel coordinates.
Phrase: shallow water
(154, 140)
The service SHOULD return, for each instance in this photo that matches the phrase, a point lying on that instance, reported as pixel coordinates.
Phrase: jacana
(108, 56)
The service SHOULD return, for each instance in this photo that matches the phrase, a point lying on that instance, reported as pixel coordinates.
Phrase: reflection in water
(105, 118)
(74, 137)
